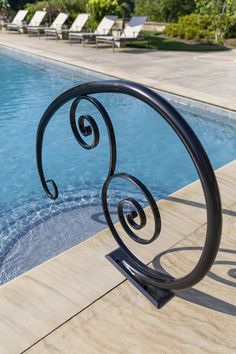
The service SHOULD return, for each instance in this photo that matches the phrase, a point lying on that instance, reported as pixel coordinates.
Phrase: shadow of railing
(198, 205)
(199, 297)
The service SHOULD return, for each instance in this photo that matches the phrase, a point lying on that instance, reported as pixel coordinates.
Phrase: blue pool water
(147, 149)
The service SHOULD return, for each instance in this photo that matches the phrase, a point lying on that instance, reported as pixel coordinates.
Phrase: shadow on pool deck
(198, 205)
(162, 42)
(199, 297)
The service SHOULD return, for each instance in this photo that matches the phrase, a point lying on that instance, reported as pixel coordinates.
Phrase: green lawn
(154, 40)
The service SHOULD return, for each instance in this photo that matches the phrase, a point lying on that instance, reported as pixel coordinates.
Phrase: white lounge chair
(35, 24)
(103, 28)
(78, 23)
(56, 27)
(130, 32)
(16, 23)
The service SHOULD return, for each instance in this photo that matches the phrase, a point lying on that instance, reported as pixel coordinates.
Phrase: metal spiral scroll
(136, 219)
(128, 222)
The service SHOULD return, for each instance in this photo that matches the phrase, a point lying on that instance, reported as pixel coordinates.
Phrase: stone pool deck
(208, 77)
(78, 302)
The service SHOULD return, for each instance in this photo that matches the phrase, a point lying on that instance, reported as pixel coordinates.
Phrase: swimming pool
(147, 148)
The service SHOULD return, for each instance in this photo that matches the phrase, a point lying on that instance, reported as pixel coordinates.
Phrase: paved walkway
(78, 302)
(208, 77)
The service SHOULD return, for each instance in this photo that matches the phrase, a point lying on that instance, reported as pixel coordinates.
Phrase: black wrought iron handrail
(87, 126)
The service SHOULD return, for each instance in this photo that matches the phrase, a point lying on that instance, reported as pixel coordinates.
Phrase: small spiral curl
(83, 129)
(87, 126)
(51, 195)
(127, 220)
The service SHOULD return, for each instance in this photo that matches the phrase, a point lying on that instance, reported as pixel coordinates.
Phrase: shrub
(99, 8)
(191, 33)
(172, 30)
(200, 27)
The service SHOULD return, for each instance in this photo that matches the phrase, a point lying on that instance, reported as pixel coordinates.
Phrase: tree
(65, 5)
(171, 10)
(4, 9)
(148, 8)
(4, 5)
(72, 7)
(223, 13)
(19, 4)
(126, 8)
(217, 7)
(164, 10)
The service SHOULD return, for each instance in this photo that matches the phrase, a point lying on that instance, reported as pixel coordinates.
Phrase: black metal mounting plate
(158, 297)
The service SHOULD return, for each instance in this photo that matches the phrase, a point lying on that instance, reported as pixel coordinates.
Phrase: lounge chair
(56, 26)
(130, 32)
(35, 24)
(16, 24)
(78, 24)
(103, 28)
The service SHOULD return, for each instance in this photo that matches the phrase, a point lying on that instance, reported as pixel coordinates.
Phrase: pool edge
(170, 92)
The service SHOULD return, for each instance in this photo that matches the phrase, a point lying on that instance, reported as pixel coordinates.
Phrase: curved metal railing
(87, 126)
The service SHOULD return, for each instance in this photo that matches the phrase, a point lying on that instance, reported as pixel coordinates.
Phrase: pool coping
(174, 97)
(225, 109)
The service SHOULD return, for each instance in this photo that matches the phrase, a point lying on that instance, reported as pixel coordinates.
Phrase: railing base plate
(158, 297)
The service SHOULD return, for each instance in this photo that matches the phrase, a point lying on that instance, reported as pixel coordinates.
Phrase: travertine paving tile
(38, 301)
(229, 225)
(198, 320)
(227, 185)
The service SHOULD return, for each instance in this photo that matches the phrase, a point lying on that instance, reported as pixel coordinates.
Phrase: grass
(153, 40)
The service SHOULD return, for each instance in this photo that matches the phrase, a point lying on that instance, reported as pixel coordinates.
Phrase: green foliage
(148, 8)
(164, 10)
(192, 26)
(4, 5)
(72, 7)
(196, 26)
(19, 4)
(125, 8)
(223, 14)
(222, 25)
(216, 7)
(172, 30)
(32, 8)
(99, 8)
(231, 33)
